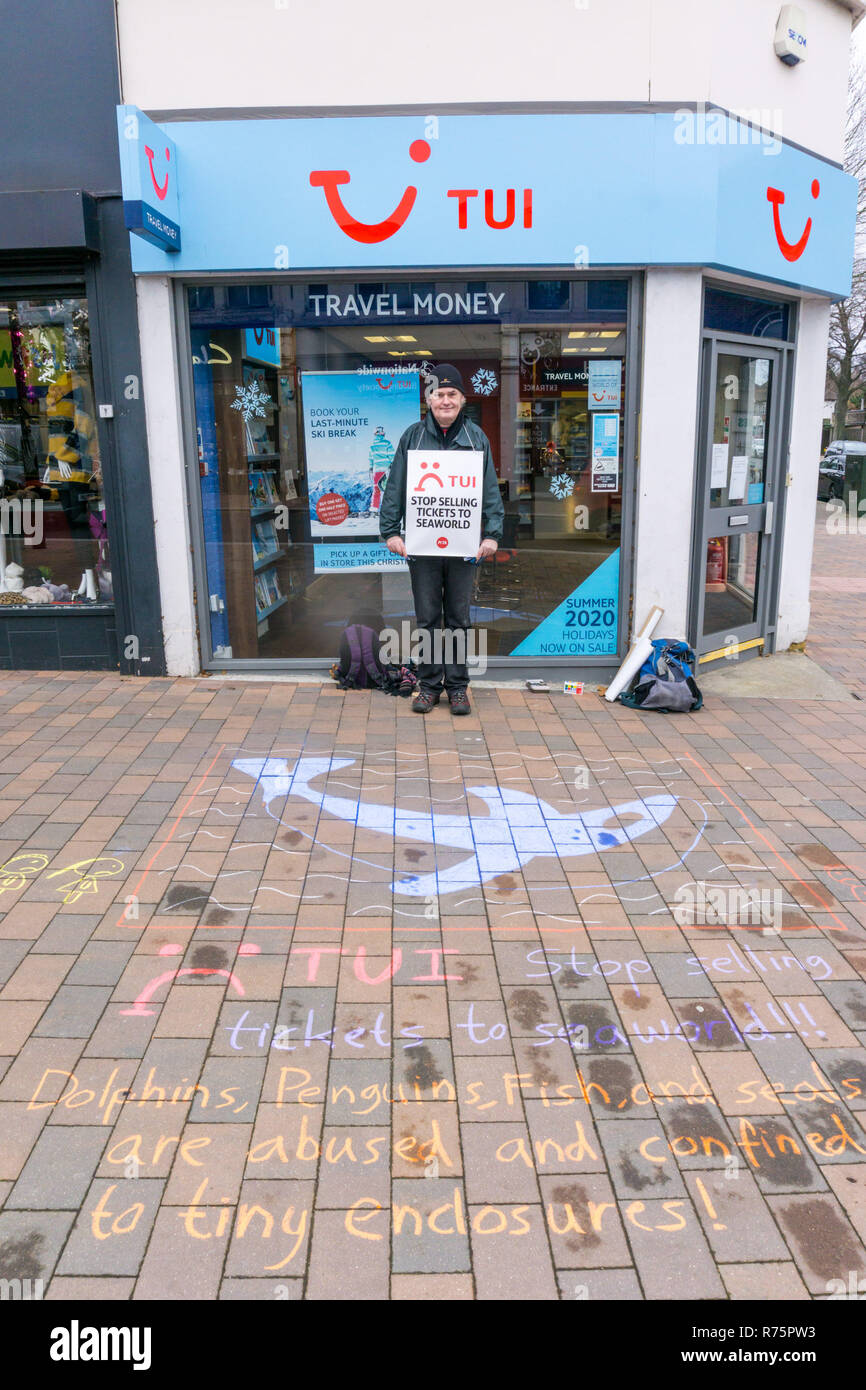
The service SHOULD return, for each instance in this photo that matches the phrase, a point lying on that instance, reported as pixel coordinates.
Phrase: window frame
(507, 666)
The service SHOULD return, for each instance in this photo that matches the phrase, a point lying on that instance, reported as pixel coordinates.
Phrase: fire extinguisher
(715, 562)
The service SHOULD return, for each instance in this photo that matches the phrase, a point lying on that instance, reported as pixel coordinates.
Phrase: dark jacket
(427, 433)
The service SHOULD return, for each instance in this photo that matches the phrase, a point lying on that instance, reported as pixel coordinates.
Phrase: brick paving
(248, 1051)
(837, 628)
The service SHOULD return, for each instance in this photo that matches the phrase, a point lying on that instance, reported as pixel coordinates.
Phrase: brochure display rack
(256, 485)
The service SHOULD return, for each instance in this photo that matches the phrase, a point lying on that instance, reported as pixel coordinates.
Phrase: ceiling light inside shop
(416, 352)
(385, 338)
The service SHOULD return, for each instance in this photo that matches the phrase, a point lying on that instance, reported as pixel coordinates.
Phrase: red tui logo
(367, 232)
(160, 192)
(791, 250)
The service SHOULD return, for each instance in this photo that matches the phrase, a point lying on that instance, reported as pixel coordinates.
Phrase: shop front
(57, 591)
(301, 392)
(640, 437)
(77, 550)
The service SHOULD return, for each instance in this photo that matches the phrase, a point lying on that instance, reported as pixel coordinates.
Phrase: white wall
(807, 410)
(666, 466)
(165, 447)
(188, 54)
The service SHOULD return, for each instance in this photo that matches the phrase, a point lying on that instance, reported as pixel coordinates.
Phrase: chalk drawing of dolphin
(516, 829)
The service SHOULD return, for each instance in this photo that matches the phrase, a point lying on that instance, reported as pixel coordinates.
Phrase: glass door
(737, 481)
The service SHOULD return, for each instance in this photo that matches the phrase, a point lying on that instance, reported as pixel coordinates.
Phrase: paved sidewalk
(249, 1052)
(837, 628)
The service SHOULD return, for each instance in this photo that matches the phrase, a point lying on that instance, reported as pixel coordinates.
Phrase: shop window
(201, 297)
(297, 427)
(53, 536)
(740, 313)
(547, 295)
(606, 296)
(248, 296)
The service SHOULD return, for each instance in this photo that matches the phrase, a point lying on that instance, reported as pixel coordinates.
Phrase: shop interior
(53, 536)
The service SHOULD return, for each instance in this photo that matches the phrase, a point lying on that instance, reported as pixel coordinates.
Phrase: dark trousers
(442, 588)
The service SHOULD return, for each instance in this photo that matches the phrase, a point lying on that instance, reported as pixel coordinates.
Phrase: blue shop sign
(148, 167)
(503, 190)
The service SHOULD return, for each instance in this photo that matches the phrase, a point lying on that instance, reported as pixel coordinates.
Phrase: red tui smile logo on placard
(428, 477)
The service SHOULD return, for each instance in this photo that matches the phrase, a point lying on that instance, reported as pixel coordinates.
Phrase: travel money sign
(496, 190)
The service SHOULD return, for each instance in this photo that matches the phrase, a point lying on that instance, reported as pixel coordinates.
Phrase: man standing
(442, 587)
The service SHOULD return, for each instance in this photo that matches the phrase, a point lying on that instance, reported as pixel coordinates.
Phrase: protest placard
(443, 501)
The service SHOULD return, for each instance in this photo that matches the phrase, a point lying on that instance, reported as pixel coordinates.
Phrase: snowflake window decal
(561, 485)
(484, 382)
(251, 401)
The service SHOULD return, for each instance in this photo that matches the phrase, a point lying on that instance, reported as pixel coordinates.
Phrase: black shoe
(424, 701)
(459, 702)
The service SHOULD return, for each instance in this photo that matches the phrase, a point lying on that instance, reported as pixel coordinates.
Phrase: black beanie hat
(445, 375)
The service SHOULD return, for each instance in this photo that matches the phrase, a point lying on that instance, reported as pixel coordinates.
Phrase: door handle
(768, 519)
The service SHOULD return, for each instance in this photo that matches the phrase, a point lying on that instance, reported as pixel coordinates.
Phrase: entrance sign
(443, 501)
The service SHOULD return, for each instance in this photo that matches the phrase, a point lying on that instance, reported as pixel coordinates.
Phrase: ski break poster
(352, 424)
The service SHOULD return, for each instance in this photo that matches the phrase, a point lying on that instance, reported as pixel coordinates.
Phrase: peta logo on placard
(148, 167)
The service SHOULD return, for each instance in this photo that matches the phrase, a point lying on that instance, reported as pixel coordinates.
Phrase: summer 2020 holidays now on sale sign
(443, 501)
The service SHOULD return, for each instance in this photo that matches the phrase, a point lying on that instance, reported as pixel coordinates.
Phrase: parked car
(843, 458)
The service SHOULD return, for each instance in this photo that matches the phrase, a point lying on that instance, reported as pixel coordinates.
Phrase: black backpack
(361, 667)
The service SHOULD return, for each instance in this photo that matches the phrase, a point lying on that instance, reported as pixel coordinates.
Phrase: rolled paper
(637, 654)
(636, 657)
(652, 621)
